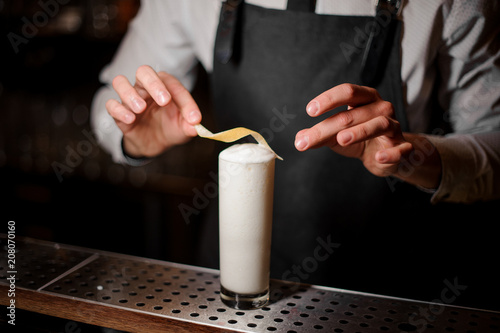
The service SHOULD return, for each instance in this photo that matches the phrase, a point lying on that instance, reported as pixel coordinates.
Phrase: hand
(154, 114)
(367, 130)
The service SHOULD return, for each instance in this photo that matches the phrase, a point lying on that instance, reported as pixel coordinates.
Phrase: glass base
(244, 301)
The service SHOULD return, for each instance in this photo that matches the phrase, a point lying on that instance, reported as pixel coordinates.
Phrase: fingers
(128, 94)
(149, 84)
(182, 98)
(326, 132)
(119, 112)
(344, 94)
(162, 88)
(189, 130)
(368, 130)
(394, 154)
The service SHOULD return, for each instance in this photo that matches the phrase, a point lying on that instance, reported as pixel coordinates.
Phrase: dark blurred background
(56, 182)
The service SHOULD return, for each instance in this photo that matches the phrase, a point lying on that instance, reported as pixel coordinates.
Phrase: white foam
(247, 153)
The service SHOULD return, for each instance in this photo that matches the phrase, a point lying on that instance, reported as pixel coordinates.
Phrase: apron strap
(302, 5)
(382, 29)
(224, 46)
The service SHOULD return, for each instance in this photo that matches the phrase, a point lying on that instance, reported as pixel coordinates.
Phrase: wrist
(131, 158)
(423, 166)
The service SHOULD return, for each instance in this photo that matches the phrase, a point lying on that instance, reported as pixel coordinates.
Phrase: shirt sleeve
(469, 61)
(155, 37)
(470, 167)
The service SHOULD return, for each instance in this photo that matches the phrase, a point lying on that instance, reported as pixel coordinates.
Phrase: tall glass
(246, 184)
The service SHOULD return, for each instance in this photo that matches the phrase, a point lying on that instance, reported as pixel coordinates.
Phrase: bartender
(387, 115)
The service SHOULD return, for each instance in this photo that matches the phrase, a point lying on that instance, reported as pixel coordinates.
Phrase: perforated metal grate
(37, 264)
(192, 294)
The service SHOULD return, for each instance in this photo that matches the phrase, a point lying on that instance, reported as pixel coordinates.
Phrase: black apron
(335, 223)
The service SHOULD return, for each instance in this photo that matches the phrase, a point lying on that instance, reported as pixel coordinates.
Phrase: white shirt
(452, 47)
